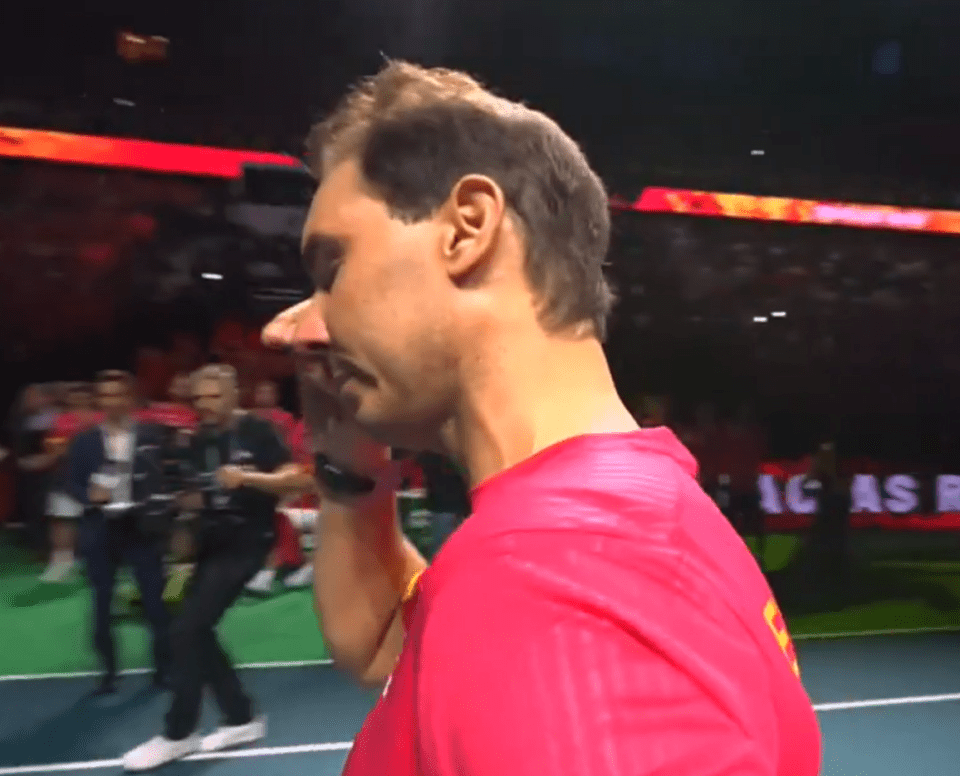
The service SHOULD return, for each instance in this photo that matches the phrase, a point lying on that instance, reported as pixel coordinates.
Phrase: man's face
(35, 399)
(211, 402)
(80, 400)
(114, 400)
(385, 336)
(180, 388)
(265, 395)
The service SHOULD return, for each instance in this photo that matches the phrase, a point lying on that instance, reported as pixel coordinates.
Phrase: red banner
(785, 209)
(789, 499)
(228, 163)
(136, 154)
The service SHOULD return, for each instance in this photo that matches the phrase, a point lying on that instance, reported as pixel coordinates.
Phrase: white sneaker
(262, 583)
(159, 751)
(302, 577)
(228, 736)
(57, 572)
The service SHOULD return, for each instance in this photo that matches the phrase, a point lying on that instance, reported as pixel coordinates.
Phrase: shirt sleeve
(519, 672)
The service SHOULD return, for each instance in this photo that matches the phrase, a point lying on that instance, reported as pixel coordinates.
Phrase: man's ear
(473, 216)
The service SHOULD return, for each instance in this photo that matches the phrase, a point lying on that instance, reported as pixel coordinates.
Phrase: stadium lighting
(211, 276)
(757, 152)
(779, 314)
(759, 318)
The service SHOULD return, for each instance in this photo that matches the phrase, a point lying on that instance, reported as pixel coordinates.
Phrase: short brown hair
(116, 376)
(224, 374)
(415, 132)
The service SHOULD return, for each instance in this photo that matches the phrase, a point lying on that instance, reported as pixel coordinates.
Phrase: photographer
(114, 471)
(238, 466)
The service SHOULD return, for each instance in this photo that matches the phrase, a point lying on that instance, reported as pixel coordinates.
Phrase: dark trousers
(831, 542)
(747, 517)
(104, 545)
(198, 658)
(31, 509)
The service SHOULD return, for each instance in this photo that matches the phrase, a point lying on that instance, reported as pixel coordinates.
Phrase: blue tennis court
(888, 704)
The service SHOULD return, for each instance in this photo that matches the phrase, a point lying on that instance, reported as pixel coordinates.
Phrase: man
(177, 418)
(238, 461)
(111, 469)
(80, 415)
(596, 614)
(266, 404)
(741, 451)
(287, 552)
(176, 412)
(30, 426)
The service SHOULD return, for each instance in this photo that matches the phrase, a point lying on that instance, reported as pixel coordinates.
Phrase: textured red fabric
(168, 414)
(289, 554)
(596, 615)
(70, 423)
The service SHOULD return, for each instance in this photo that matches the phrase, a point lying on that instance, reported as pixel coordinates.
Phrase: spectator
(287, 551)
(266, 404)
(701, 440)
(176, 412)
(830, 537)
(34, 463)
(62, 509)
(740, 451)
(175, 415)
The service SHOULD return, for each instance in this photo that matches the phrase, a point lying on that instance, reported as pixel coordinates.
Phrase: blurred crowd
(828, 331)
(86, 252)
(46, 419)
(48, 416)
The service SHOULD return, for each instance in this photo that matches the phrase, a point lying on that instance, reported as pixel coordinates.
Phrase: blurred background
(785, 183)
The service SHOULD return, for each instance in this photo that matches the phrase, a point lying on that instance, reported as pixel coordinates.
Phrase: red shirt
(169, 414)
(70, 423)
(596, 615)
(412, 473)
(282, 421)
(297, 442)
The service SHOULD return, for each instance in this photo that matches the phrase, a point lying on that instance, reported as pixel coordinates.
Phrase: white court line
(268, 751)
(887, 632)
(138, 671)
(911, 700)
(341, 746)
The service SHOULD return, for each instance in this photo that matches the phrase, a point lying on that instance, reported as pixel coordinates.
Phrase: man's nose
(300, 327)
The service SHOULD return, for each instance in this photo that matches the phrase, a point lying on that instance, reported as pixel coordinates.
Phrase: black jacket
(87, 455)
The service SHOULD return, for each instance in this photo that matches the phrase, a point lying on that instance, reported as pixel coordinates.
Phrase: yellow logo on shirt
(771, 613)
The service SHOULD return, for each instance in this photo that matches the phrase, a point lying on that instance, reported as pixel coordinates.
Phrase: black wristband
(340, 481)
